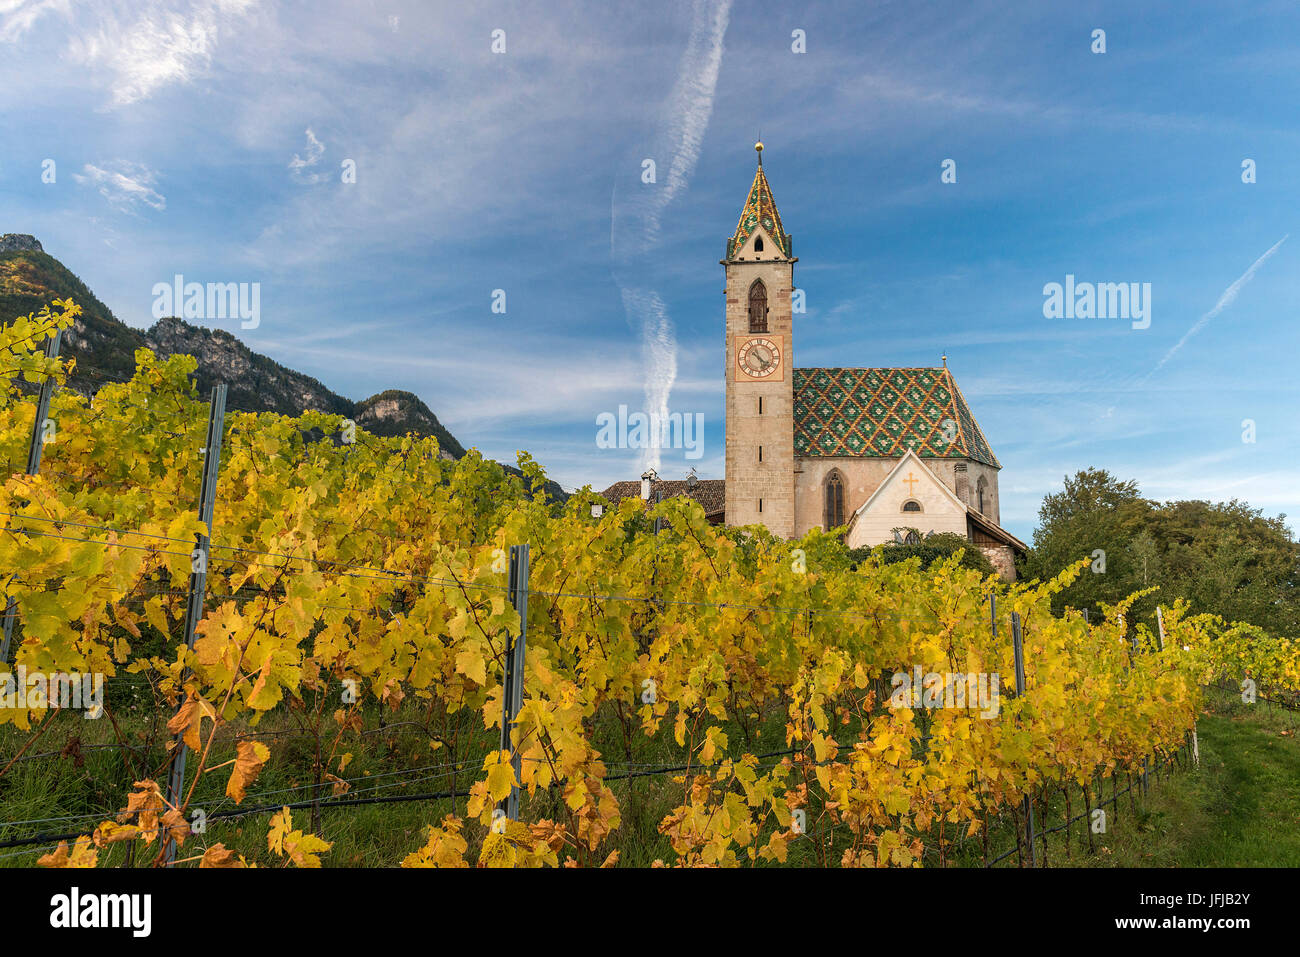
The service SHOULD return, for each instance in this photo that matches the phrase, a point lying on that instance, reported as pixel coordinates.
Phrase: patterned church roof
(760, 209)
(878, 413)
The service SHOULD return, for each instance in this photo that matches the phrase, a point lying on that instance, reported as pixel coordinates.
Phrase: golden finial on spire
(759, 148)
(944, 359)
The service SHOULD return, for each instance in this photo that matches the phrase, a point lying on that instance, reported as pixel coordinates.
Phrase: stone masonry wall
(750, 481)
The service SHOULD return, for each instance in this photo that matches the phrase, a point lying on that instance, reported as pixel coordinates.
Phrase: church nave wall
(976, 471)
(862, 477)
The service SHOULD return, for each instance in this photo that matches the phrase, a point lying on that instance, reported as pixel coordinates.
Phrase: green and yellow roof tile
(760, 209)
(879, 413)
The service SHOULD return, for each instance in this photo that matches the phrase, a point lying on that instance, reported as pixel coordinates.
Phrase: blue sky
(181, 137)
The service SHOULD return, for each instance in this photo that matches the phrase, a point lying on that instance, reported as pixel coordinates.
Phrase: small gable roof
(710, 493)
(911, 460)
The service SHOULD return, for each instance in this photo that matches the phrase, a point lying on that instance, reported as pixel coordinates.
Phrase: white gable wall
(883, 512)
(864, 474)
(748, 253)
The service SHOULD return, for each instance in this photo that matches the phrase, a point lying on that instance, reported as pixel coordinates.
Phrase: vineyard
(361, 597)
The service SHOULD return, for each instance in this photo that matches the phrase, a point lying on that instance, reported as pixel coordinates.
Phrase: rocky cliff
(18, 243)
(104, 348)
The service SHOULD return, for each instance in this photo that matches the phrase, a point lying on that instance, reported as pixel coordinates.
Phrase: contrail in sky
(634, 223)
(1225, 300)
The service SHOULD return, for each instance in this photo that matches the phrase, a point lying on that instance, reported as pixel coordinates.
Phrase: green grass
(1240, 809)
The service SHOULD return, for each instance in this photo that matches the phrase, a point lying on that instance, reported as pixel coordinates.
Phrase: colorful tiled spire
(760, 209)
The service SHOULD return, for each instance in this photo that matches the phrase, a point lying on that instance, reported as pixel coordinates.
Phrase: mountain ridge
(104, 348)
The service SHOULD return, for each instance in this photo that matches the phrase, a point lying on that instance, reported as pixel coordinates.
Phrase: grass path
(1240, 809)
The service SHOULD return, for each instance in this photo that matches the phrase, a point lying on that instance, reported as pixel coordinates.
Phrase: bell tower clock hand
(758, 357)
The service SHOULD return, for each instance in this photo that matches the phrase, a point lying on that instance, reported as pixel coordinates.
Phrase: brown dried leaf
(177, 826)
(82, 854)
(110, 833)
(144, 804)
(249, 758)
(219, 856)
(340, 786)
(189, 719)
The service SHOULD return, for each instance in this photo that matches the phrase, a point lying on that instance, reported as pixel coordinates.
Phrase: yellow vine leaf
(501, 776)
(83, 854)
(111, 833)
(497, 851)
(445, 847)
(301, 849)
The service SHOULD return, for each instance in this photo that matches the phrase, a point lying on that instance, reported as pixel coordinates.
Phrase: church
(892, 454)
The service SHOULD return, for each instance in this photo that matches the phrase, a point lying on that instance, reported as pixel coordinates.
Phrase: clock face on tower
(758, 357)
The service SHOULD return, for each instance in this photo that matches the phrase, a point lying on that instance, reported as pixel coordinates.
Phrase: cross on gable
(910, 482)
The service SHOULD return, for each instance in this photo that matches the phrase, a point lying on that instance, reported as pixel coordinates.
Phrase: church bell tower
(759, 267)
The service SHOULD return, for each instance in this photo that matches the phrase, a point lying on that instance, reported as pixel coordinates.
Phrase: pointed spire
(760, 210)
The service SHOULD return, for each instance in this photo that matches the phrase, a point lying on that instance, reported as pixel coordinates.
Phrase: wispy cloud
(142, 47)
(1227, 299)
(659, 348)
(299, 165)
(478, 171)
(690, 105)
(635, 225)
(18, 16)
(126, 186)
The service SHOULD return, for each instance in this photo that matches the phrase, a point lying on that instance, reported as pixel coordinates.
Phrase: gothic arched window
(913, 537)
(758, 244)
(758, 307)
(834, 516)
(980, 488)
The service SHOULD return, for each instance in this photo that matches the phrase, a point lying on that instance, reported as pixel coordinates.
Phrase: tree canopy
(1225, 558)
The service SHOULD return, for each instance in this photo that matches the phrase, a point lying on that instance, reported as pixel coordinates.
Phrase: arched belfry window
(758, 244)
(834, 515)
(758, 307)
(981, 487)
